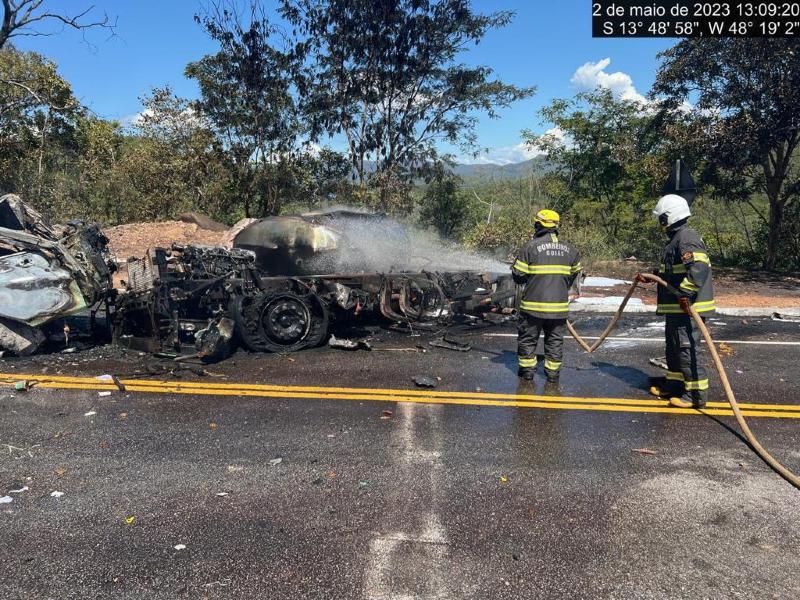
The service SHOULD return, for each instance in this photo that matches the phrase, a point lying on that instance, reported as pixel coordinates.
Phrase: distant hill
(508, 172)
(483, 172)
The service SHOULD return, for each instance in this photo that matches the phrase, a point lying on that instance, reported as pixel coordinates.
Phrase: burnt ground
(427, 500)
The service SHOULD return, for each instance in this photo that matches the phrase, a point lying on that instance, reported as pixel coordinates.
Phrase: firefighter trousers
(529, 330)
(686, 365)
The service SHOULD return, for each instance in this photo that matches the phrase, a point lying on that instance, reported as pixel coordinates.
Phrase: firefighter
(685, 266)
(549, 268)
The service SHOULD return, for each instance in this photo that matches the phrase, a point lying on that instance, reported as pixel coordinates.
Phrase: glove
(684, 302)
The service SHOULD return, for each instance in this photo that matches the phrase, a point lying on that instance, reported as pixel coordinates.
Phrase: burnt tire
(280, 321)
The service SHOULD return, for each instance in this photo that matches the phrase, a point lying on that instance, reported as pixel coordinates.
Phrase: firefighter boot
(526, 373)
(688, 400)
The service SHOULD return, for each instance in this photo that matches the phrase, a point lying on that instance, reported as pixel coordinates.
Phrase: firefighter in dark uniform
(685, 266)
(548, 268)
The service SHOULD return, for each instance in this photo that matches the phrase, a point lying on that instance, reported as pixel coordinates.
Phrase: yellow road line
(391, 393)
(548, 402)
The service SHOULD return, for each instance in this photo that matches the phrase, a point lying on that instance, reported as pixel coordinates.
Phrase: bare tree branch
(21, 17)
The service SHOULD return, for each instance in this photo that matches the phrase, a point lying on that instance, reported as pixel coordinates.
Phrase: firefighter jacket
(548, 268)
(686, 267)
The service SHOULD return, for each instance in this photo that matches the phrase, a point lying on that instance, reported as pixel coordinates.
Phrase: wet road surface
(323, 485)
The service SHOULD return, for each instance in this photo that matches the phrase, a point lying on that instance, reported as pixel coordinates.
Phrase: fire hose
(754, 443)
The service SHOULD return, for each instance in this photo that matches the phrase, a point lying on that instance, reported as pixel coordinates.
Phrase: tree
(746, 94)
(24, 18)
(443, 205)
(322, 177)
(246, 95)
(173, 162)
(384, 74)
(36, 106)
(611, 165)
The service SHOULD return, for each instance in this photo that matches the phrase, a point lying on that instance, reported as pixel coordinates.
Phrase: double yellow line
(778, 411)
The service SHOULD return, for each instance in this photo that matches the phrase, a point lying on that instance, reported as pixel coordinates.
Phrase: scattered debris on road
(56, 494)
(450, 343)
(725, 349)
(645, 451)
(275, 461)
(427, 382)
(6, 500)
(344, 344)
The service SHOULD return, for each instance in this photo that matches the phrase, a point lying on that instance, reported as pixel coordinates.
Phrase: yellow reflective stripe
(552, 365)
(542, 269)
(676, 308)
(699, 385)
(549, 270)
(521, 266)
(553, 237)
(702, 257)
(674, 376)
(576, 268)
(688, 285)
(678, 269)
(545, 306)
(527, 362)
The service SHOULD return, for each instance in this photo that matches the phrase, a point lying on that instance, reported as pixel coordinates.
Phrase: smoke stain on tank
(350, 240)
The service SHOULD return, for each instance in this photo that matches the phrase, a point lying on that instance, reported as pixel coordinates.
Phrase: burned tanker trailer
(261, 294)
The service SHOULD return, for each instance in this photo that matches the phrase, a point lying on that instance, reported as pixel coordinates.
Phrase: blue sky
(548, 45)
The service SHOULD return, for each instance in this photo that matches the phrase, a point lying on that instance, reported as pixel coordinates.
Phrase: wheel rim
(286, 320)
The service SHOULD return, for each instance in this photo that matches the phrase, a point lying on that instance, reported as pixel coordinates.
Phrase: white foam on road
(612, 300)
(603, 282)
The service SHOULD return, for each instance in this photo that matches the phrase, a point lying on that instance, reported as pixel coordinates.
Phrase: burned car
(46, 272)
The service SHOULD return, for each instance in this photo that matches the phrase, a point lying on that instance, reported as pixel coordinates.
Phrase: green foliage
(608, 166)
(443, 206)
(385, 76)
(37, 112)
(746, 93)
(246, 95)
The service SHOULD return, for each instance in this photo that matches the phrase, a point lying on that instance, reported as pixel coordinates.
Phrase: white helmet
(670, 209)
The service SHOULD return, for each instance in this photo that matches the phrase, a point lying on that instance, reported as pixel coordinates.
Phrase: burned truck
(46, 273)
(281, 294)
(213, 297)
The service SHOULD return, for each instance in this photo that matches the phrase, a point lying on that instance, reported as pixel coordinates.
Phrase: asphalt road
(331, 475)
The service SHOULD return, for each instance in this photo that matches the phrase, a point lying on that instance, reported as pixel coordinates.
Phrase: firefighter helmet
(670, 209)
(547, 218)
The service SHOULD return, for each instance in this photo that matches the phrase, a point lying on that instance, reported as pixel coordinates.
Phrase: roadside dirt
(134, 239)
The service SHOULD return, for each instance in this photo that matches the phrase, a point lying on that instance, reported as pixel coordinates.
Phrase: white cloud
(501, 155)
(593, 75)
(135, 119)
(556, 133)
